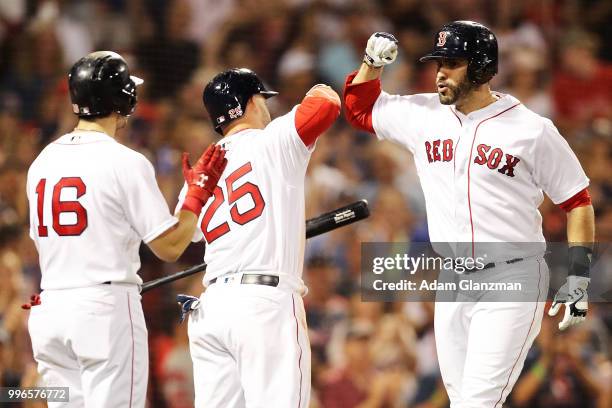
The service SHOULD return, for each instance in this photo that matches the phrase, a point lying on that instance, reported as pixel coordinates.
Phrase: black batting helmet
(100, 83)
(469, 40)
(226, 95)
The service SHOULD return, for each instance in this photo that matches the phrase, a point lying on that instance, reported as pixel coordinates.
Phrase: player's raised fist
(324, 91)
(381, 50)
(202, 177)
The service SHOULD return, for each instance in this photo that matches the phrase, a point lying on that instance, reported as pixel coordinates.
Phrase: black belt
(255, 279)
(493, 265)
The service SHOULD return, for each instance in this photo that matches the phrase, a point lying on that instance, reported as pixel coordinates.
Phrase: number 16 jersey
(255, 220)
(92, 201)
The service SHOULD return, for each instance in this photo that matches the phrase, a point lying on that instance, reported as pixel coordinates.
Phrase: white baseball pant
(249, 346)
(482, 345)
(94, 341)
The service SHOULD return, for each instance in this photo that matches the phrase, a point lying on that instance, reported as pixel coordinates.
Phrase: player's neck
(477, 99)
(106, 125)
(241, 125)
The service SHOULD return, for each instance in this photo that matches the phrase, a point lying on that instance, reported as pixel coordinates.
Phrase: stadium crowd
(555, 57)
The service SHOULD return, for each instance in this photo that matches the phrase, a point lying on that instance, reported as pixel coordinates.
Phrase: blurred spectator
(582, 85)
(169, 57)
(526, 81)
(357, 384)
(176, 371)
(323, 307)
(559, 372)
(37, 64)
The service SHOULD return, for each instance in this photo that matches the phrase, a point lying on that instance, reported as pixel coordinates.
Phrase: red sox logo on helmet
(442, 38)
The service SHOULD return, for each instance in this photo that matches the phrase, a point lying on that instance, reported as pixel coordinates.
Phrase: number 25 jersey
(255, 220)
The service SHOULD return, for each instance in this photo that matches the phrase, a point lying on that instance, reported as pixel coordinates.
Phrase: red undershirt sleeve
(314, 116)
(359, 101)
(580, 199)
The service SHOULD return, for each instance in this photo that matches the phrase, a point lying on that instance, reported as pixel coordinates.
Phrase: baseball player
(484, 161)
(248, 338)
(92, 201)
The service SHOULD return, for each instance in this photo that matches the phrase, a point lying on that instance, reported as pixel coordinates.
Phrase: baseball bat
(326, 222)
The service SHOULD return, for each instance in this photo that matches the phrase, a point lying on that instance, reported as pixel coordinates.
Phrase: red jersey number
(58, 207)
(222, 229)
(234, 193)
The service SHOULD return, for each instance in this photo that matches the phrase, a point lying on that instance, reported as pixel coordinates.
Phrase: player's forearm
(360, 97)
(317, 112)
(581, 226)
(367, 73)
(171, 244)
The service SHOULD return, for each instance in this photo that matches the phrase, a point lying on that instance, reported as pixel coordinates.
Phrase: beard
(455, 92)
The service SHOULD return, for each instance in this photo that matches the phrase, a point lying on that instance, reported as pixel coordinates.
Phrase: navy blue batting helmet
(226, 95)
(100, 83)
(469, 40)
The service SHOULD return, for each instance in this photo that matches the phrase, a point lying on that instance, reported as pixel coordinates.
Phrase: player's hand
(206, 172)
(188, 304)
(381, 50)
(203, 177)
(572, 295)
(324, 91)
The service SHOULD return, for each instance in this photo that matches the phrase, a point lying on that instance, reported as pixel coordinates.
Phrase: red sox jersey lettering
(502, 153)
(439, 151)
(443, 151)
(493, 159)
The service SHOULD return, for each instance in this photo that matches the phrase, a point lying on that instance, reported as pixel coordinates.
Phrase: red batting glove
(202, 178)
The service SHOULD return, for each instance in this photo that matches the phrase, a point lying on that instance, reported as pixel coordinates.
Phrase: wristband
(579, 260)
(368, 60)
(192, 204)
(195, 201)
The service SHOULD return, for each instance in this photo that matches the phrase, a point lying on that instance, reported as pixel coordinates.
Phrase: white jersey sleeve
(144, 205)
(285, 145)
(558, 173)
(399, 118)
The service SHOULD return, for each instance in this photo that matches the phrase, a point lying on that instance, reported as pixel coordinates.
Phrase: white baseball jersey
(483, 174)
(92, 201)
(255, 221)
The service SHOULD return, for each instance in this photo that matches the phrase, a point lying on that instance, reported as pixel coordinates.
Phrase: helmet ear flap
(125, 99)
(481, 69)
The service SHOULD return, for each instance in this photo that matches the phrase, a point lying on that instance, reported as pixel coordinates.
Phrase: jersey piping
(470, 166)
